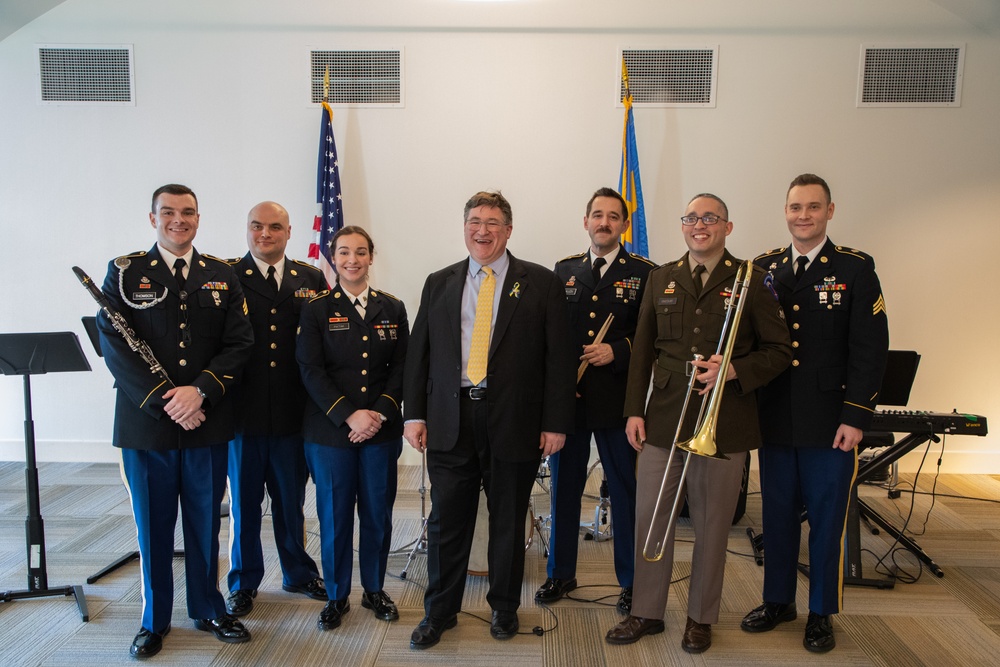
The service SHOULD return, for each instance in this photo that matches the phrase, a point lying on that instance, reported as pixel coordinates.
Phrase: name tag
(339, 324)
(143, 296)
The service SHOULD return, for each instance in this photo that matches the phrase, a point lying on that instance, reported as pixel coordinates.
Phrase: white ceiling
(737, 16)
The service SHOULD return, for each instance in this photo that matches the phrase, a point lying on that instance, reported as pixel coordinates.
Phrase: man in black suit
(488, 391)
(268, 450)
(190, 309)
(813, 415)
(605, 280)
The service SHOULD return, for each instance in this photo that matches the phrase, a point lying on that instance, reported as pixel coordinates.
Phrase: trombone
(703, 441)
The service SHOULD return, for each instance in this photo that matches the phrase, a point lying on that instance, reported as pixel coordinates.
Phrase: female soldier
(351, 347)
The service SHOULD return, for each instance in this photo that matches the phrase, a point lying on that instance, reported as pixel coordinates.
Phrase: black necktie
(800, 266)
(179, 272)
(359, 307)
(271, 280)
(698, 282)
(596, 271)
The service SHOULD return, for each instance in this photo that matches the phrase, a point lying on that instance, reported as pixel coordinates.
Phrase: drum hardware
(602, 528)
(420, 545)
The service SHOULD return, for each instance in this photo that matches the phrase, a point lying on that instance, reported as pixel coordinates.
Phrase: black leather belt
(474, 393)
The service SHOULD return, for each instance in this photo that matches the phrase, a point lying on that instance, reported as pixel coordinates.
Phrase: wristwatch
(203, 395)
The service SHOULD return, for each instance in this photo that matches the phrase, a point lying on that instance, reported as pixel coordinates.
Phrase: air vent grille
(911, 76)
(90, 75)
(671, 77)
(358, 77)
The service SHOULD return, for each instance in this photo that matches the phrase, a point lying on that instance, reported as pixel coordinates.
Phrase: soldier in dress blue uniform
(605, 280)
(351, 351)
(190, 309)
(270, 400)
(813, 414)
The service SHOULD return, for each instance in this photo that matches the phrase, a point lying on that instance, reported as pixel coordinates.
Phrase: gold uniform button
(694, 349)
(795, 362)
(795, 307)
(697, 329)
(796, 326)
(274, 346)
(274, 311)
(183, 344)
(795, 343)
(697, 311)
(364, 372)
(590, 333)
(364, 338)
(364, 389)
(183, 362)
(274, 328)
(364, 355)
(593, 298)
(273, 364)
(593, 315)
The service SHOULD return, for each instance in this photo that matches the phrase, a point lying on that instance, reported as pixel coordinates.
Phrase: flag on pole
(629, 185)
(329, 211)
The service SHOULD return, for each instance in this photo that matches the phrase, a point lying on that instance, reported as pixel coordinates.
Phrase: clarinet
(120, 324)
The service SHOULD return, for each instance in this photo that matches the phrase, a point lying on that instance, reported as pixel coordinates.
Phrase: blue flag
(629, 185)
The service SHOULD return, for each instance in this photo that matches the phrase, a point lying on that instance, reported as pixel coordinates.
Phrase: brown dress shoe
(632, 628)
(697, 636)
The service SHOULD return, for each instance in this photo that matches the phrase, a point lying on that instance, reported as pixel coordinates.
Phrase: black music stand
(29, 354)
(90, 325)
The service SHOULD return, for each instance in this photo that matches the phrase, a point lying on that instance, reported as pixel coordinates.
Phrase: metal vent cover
(90, 75)
(911, 76)
(358, 77)
(677, 77)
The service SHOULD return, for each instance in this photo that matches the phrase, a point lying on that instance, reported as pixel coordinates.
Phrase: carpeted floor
(934, 621)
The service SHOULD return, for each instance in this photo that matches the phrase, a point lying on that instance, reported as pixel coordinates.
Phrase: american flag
(329, 209)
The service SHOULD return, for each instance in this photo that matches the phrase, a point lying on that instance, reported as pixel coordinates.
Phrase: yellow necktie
(480, 349)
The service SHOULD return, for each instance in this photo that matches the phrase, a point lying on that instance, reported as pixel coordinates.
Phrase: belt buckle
(477, 393)
(688, 369)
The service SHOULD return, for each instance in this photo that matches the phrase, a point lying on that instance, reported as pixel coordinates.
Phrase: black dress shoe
(819, 634)
(624, 605)
(429, 632)
(504, 624)
(240, 602)
(697, 636)
(632, 629)
(225, 628)
(313, 589)
(332, 614)
(554, 589)
(147, 644)
(767, 616)
(381, 604)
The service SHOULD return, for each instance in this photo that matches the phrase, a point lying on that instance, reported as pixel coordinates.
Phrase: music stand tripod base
(28, 354)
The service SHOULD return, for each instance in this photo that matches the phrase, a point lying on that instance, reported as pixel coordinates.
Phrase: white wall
(518, 96)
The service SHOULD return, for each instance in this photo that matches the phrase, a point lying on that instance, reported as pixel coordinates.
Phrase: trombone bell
(702, 444)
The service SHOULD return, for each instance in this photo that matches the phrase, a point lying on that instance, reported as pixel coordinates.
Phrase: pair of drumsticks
(598, 339)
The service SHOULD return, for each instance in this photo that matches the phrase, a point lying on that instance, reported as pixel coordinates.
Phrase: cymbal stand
(543, 524)
(420, 545)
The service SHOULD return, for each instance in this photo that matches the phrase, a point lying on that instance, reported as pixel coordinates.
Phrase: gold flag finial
(625, 76)
(326, 82)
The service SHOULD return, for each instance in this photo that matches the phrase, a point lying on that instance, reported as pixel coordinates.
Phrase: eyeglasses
(709, 219)
(490, 225)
